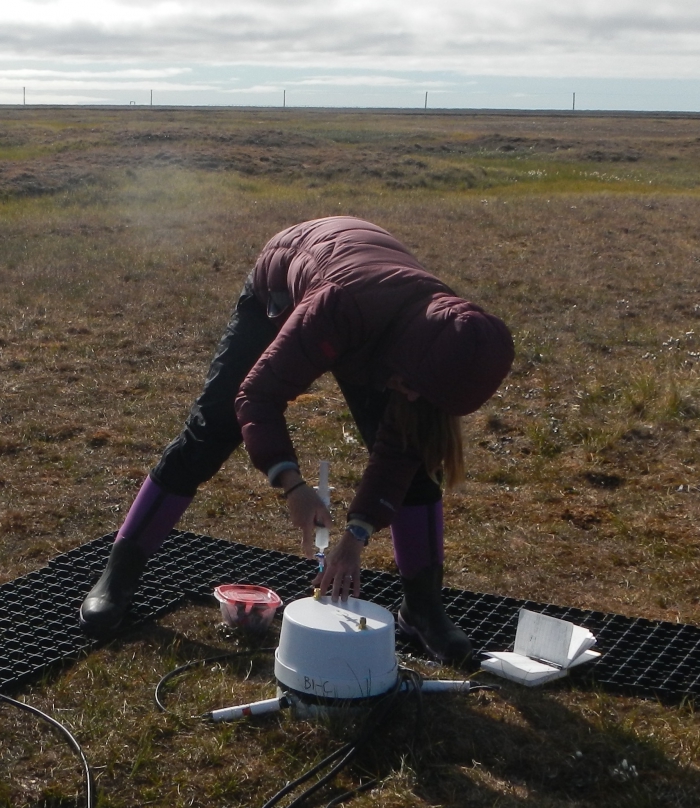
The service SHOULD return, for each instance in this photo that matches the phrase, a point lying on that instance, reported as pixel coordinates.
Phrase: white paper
(581, 641)
(520, 668)
(545, 647)
(543, 637)
(586, 656)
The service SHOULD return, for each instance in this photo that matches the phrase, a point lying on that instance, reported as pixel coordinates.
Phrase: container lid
(336, 650)
(247, 593)
(324, 615)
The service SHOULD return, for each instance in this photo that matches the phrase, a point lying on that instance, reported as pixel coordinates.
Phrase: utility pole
(151, 97)
(24, 95)
(573, 108)
(426, 100)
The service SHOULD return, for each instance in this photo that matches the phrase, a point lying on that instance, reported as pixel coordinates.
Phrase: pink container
(248, 607)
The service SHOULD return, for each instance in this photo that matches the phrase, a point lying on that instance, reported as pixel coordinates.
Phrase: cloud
(517, 37)
(46, 83)
(53, 85)
(364, 81)
(256, 89)
(87, 75)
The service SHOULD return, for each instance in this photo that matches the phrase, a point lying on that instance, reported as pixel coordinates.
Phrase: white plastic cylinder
(244, 710)
(336, 650)
(323, 533)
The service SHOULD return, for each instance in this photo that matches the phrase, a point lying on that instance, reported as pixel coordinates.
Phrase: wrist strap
(294, 488)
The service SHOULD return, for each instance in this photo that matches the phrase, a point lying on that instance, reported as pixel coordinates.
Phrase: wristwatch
(361, 531)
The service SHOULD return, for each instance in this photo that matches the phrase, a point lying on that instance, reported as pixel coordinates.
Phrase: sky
(484, 54)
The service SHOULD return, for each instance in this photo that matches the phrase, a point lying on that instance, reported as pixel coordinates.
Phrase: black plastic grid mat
(39, 625)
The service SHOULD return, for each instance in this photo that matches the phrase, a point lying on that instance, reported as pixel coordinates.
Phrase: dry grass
(124, 238)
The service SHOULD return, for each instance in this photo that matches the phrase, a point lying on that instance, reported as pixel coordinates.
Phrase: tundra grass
(125, 236)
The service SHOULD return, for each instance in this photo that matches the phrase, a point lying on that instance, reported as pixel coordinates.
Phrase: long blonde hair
(433, 434)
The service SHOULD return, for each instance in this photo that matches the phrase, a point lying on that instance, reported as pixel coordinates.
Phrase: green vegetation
(125, 236)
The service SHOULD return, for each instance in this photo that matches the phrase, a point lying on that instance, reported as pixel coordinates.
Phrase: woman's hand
(342, 569)
(308, 512)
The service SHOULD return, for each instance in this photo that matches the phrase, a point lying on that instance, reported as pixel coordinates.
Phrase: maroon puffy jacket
(350, 299)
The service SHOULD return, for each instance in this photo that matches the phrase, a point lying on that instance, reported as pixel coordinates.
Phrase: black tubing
(68, 736)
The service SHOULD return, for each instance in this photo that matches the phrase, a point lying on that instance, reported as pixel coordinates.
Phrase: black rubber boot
(422, 617)
(108, 601)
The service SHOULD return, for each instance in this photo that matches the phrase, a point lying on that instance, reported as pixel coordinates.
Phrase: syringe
(322, 533)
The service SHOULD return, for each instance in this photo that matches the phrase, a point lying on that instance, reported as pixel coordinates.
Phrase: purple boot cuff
(153, 514)
(417, 534)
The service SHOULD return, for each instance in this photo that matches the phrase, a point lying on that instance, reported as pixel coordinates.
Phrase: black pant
(211, 431)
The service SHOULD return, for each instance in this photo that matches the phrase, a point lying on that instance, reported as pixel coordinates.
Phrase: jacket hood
(453, 354)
